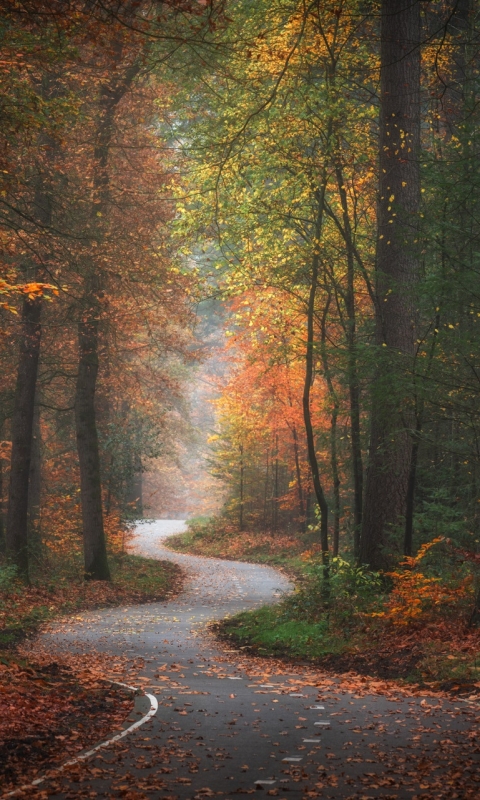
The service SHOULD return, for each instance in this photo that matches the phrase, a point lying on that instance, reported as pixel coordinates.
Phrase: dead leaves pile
(49, 711)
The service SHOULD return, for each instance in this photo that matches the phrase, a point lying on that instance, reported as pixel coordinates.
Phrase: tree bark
(22, 428)
(95, 551)
(410, 499)
(133, 498)
(333, 430)
(298, 475)
(2, 526)
(275, 488)
(396, 263)
(308, 383)
(353, 382)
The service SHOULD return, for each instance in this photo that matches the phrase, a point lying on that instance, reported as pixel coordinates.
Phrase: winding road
(228, 724)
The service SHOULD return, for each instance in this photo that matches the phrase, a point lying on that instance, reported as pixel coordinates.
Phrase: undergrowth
(410, 623)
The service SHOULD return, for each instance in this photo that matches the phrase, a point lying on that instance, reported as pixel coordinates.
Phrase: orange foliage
(415, 596)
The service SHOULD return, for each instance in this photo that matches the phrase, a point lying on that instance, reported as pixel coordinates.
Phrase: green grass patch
(270, 632)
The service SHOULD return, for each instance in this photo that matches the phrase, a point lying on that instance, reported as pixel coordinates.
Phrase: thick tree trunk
(398, 207)
(95, 555)
(307, 388)
(22, 428)
(95, 552)
(410, 500)
(2, 522)
(333, 430)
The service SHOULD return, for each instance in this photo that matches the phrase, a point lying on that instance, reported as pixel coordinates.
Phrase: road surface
(229, 725)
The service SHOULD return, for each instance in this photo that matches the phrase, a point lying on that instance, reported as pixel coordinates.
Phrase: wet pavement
(228, 724)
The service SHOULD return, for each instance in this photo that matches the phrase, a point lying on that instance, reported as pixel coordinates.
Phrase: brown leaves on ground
(440, 655)
(23, 608)
(49, 712)
(223, 542)
(343, 677)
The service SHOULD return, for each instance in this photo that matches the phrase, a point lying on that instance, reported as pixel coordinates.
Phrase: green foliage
(8, 574)
(352, 591)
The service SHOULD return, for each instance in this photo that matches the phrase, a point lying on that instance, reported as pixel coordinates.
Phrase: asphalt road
(230, 725)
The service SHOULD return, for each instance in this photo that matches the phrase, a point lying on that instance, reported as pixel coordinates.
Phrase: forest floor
(440, 654)
(278, 549)
(52, 706)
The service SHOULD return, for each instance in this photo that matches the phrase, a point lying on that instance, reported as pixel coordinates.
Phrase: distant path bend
(220, 587)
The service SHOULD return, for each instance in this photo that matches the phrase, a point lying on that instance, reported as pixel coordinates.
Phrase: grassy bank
(449, 660)
(410, 624)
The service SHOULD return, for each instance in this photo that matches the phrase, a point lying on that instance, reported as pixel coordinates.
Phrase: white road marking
(83, 756)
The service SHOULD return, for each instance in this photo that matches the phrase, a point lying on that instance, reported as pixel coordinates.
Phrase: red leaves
(48, 713)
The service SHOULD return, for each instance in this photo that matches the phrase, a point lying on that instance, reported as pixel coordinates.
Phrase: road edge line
(88, 753)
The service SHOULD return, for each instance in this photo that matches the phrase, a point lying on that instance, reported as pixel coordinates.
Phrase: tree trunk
(96, 565)
(333, 429)
(308, 383)
(22, 428)
(95, 551)
(34, 489)
(275, 488)
(298, 475)
(265, 493)
(396, 262)
(2, 525)
(353, 382)
(410, 501)
(134, 499)
(240, 515)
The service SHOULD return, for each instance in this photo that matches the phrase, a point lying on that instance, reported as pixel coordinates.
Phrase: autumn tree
(396, 276)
